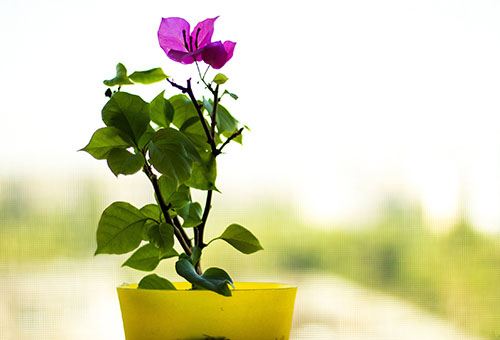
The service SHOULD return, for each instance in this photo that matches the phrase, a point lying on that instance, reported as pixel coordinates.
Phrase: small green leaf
(148, 77)
(181, 197)
(153, 213)
(220, 79)
(104, 140)
(123, 162)
(241, 239)
(154, 281)
(161, 111)
(195, 255)
(234, 96)
(204, 173)
(146, 258)
(120, 78)
(120, 229)
(162, 236)
(128, 113)
(191, 214)
(214, 279)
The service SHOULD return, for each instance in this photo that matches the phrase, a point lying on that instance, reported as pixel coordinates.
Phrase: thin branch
(189, 91)
(214, 109)
(185, 242)
(201, 227)
(183, 232)
(233, 136)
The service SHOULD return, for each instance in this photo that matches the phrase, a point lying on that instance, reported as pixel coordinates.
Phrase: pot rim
(180, 287)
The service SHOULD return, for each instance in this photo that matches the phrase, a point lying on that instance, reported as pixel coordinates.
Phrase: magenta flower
(186, 47)
(218, 54)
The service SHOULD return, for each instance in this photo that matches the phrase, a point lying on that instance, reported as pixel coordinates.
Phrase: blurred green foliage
(454, 274)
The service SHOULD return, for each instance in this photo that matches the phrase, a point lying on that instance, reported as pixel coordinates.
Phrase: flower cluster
(186, 46)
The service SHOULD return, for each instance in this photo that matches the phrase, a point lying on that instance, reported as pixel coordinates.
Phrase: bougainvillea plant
(175, 142)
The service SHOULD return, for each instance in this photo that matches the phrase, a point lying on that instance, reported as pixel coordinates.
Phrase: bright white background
(350, 102)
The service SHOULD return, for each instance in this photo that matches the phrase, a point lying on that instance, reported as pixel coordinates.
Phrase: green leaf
(183, 108)
(195, 255)
(168, 187)
(148, 77)
(146, 137)
(177, 196)
(226, 123)
(204, 173)
(172, 154)
(193, 129)
(154, 281)
(153, 213)
(162, 236)
(234, 96)
(120, 229)
(214, 279)
(123, 162)
(241, 239)
(120, 78)
(146, 258)
(128, 113)
(220, 79)
(168, 253)
(104, 140)
(191, 214)
(181, 197)
(161, 111)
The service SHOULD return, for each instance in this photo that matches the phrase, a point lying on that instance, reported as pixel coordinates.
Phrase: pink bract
(186, 47)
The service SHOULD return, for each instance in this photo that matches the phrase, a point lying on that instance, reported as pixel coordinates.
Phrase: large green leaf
(214, 279)
(226, 123)
(123, 162)
(183, 108)
(120, 229)
(154, 281)
(148, 77)
(146, 258)
(172, 154)
(146, 137)
(128, 113)
(161, 111)
(191, 214)
(204, 173)
(241, 239)
(152, 211)
(120, 78)
(104, 140)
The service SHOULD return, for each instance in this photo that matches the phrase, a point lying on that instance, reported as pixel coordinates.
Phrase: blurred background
(371, 173)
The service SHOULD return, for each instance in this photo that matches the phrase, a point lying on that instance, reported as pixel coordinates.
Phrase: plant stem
(233, 136)
(201, 227)
(189, 91)
(214, 110)
(178, 232)
(183, 232)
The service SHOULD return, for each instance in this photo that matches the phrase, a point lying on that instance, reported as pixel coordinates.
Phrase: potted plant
(175, 142)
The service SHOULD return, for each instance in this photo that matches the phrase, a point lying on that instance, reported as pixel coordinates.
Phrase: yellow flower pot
(256, 311)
